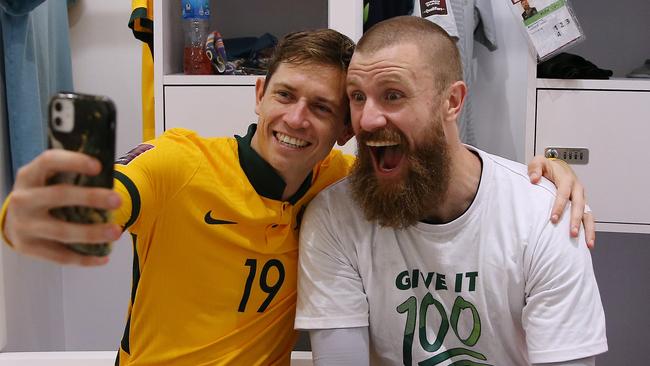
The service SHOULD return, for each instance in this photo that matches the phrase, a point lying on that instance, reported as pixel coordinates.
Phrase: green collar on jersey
(261, 175)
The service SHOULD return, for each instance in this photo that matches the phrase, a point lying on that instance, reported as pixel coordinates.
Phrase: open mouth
(387, 155)
(290, 141)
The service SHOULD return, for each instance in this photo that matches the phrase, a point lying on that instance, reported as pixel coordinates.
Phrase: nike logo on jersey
(212, 221)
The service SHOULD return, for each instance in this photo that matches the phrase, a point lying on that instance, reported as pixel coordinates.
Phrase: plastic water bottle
(196, 23)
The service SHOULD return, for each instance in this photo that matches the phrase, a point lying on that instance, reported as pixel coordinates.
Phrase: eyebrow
(319, 99)
(390, 78)
(350, 84)
(326, 101)
(284, 86)
(351, 81)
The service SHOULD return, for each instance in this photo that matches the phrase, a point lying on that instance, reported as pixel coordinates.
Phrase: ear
(346, 134)
(456, 94)
(259, 93)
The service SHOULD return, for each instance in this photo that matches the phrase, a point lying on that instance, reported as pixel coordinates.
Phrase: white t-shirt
(499, 285)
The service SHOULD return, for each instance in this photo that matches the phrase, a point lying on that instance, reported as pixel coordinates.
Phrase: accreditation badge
(551, 25)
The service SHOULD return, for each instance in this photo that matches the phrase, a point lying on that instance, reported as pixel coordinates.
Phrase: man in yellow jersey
(214, 221)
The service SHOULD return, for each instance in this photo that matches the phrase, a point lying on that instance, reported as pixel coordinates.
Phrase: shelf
(611, 84)
(192, 80)
(234, 96)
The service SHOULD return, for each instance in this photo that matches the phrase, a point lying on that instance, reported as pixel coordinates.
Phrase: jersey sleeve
(330, 289)
(141, 21)
(349, 160)
(150, 174)
(122, 215)
(563, 317)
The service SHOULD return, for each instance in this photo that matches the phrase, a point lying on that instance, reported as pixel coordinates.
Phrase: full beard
(400, 203)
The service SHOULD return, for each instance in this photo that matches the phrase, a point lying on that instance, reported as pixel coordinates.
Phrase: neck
(464, 179)
(292, 176)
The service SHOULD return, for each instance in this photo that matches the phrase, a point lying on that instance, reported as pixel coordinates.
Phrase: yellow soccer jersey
(215, 251)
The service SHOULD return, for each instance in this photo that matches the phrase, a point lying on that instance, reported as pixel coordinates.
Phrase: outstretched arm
(569, 188)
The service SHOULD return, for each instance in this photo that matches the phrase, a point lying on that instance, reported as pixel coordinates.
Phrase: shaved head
(436, 47)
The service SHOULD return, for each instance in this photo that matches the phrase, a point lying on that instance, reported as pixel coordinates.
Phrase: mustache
(383, 134)
(403, 202)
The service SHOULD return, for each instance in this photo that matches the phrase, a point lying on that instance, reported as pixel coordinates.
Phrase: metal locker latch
(571, 155)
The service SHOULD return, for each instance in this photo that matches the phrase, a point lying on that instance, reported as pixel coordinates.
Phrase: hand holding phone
(85, 124)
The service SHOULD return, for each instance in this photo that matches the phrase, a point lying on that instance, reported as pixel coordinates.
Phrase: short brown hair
(322, 46)
(433, 41)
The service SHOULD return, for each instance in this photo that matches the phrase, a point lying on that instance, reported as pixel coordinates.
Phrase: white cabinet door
(615, 126)
(211, 110)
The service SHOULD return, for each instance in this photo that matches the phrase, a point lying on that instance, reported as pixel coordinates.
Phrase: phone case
(84, 123)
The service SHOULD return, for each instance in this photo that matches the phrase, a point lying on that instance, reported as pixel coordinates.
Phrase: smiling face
(392, 103)
(402, 166)
(301, 115)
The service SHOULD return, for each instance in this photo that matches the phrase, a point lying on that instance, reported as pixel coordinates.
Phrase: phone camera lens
(58, 122)
(58, 107)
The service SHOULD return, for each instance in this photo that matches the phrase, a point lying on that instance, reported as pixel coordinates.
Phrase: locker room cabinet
(216, 109)
(608, 122)
(608, 118)
(217, 105)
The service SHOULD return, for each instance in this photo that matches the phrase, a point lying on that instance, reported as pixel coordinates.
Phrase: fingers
(590, 229)
(47, 237)
(60, 195)
(536, 168)
(568, 188)
(67, 232)
(59, 253)
(578, 202)
(31, 228)
(53, 161)
(561, 199)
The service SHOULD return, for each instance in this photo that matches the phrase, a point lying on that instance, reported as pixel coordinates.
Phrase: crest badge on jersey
(134, 153)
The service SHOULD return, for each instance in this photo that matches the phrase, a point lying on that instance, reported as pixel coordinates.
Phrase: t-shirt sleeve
(563, 317)
(330, 289)
(340, 347)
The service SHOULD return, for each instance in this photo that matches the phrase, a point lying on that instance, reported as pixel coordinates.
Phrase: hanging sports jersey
(439, 12)
(141, 22)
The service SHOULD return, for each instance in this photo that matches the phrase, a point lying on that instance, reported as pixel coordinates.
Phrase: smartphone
(84, 123)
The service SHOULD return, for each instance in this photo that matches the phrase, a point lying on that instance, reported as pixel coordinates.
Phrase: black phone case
(93, 134)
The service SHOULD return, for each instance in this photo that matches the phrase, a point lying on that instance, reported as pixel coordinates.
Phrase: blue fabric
(19, 7)
(37, 64)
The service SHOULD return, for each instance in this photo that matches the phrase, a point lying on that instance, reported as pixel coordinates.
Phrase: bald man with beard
(433, 252)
